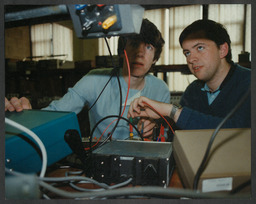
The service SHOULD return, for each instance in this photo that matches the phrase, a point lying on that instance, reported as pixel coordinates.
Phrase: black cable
(120, 104)
(120, 89)
(112, 131)
(119, 117)
(116, 71)
(120, 110)
(112, 74)
(203, 163)
(112, 116)
(240, 187)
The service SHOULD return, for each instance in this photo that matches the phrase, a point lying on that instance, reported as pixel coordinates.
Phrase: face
(203, 58)
(140, 56)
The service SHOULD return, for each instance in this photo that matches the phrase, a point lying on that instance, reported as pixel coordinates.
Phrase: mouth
(197, 68)
(137, 63)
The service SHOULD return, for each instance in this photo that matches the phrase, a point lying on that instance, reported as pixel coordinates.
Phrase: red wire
(129, 74)
(160, 115)
(101, 135)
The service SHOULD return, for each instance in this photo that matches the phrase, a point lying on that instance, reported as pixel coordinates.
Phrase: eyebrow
(200, 43)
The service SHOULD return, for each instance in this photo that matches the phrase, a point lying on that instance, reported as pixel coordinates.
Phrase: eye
(186, 53)
(149, 47)
(200, 48)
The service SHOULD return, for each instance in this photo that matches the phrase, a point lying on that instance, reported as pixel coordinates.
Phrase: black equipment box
(147, 163)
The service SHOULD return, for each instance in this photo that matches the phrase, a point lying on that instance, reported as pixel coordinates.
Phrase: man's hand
(145, 107)
(16, 104)
(146, 127)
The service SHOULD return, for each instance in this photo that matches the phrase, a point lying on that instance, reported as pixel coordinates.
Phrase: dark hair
(148, 34)
(208, 29)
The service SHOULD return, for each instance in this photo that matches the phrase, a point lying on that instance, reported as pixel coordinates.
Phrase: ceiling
(21, 15)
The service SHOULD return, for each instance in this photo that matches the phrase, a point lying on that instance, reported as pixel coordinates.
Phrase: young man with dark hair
(143, 50)
(219, 86)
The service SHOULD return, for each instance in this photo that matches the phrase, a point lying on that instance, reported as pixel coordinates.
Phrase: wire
(75, 178)
(119, 84)
(100, 189)
(127, 94)
(111, 116)
(203, 163)
(147, 190)
(241, 187)
(100, 136)
(161, 116)
(72, 179)
(127, 191)
(121, 184)
(12, 172)
(74, 186)
(120, 104)
(110, 53)
(129, 79)
(108, 127)
(120, 91)
(62, 179)
(112, 74)
(37, 140)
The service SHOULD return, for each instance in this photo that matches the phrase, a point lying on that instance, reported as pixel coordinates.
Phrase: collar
(207, 89)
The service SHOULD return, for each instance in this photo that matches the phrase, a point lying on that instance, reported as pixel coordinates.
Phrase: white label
(126, 158)
(220, 184)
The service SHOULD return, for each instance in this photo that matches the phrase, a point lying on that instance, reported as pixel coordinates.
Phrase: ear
(223, 50)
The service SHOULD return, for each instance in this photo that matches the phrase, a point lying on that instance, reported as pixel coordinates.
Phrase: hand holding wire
(146, 126)
(141, 107)
(152, 109)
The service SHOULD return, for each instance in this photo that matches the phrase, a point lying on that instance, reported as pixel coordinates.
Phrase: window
(173, 20)
(235, 17)
(52, 39)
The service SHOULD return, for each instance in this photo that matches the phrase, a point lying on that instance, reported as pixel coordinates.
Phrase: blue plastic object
(80, 6)
(21, 151)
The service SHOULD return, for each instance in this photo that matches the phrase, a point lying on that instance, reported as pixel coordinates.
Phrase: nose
(192, 58)
(140, 50)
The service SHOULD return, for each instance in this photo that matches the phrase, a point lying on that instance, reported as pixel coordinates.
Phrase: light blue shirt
(89, 87)
(211, 95)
